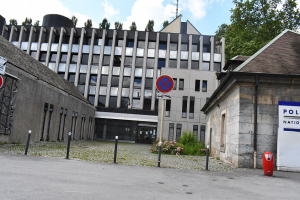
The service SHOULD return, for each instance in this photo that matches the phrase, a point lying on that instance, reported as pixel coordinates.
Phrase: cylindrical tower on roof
(57, 20)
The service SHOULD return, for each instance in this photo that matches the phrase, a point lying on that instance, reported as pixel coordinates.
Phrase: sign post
(164, 84)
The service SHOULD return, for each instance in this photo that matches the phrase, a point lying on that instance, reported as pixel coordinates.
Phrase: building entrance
(146, 134)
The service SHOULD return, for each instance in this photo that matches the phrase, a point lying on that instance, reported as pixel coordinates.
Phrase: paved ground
(36, 177)
(128, 154)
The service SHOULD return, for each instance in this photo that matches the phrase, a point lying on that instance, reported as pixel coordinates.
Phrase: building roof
(25, 62)
(236, 59)
(176, 26)
(279, 56)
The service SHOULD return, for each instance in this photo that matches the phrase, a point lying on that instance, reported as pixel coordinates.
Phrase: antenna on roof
(176, 8)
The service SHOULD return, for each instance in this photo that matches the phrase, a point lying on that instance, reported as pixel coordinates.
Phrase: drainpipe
(255, 121)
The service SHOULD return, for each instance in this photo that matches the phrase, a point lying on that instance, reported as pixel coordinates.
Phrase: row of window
(178, 132)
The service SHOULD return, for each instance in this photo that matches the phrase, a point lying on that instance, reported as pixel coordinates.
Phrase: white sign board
(2, 65)
(288, 141)
(163, 96)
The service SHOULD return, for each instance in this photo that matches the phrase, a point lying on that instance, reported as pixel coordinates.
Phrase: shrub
(168, 147)
(188, 138)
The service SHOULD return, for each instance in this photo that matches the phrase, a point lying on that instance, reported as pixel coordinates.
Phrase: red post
(268, 163)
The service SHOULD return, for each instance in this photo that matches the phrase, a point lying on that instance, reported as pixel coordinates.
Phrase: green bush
(188, 138)
(167, 147)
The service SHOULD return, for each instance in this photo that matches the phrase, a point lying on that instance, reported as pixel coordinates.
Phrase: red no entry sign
(164, 84)
(1, 81)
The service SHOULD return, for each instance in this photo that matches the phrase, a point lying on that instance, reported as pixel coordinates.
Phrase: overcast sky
(205, 15)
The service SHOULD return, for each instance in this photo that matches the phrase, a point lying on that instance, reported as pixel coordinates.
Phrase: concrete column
(122, 70)
(133, 67)
(144, 71)
(88, 73)
(111, 62)
(52, 30)
(62, 31)
(12, 31)
(100, 68)
(73, 31)
(201, 52)
(155, 73)
(79, 57)
(223, 53)
(168, 51)
(21, 35)
(212, 52)
(190, 52)
(42, 30)
(32, 31)
(179, 51)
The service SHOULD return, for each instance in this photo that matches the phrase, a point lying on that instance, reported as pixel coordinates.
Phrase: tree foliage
(13, 22)
(74, 20)
(133, 26)
(150, 26)
(165, 23)
(37, 23)
(118, 25)
(105, 24)
(256, 22)
(88, 24)
(27, 22)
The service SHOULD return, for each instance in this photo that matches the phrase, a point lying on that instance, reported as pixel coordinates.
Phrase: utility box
(268, 163)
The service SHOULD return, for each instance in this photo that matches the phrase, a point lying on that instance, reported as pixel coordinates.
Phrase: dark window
(206, 47)
(161, 63)
(183, 64)
(192, 107)
(53, 57)
(139, 62)
(148, 83)
(137, 82)
(150, 62)
(101, 101)
(204, 86)
(141, 44)
(195, 48)
(85, 58)
(162, 46)
(128, 61)
(104, 79)
(130, 43)
(43, 56)
(178, 131)
(126, 81)
(33, 54)
(117, 60)
(202, 133)
(173, 46)
(74, 58)
(97, 41)
(124, 102)
(184, 106)
(62, 74)
(115, 81)
(113, 102)
(65, 39)
(91, 99)
(95, 59)
(175, 83)
(184, 47)
(76, 39)
(195, 131)
(106, 60)
(108, 42)
(147, 104)
(171, 132)
(93, 80)
(82, 78)
(197, 85)
(181, 84)
(195, 65)
(87, 40)
(168, 108)
(71, 78)
(217, 67)
(151, 45)
(173, 63)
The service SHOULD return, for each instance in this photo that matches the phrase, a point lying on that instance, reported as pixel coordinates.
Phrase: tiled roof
(25, 62)
(280, 56)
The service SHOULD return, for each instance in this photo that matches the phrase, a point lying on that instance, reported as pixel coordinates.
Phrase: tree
(118, 26)
(74, 20)
(13, 22)
(133, 26)
(37, 23)
(105, 24)
(27, 22)
(221, 31)
(150, 26)
(165, 23)
(88, 24)
(256, 22)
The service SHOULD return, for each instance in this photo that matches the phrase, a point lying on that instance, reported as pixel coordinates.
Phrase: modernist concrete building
(35, 98)
(116, 71)
(242, 114)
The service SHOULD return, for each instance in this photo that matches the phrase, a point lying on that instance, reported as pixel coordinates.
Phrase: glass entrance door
(146, 134)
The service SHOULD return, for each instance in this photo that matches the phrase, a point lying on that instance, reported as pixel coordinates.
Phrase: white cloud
(109, 10)
(36, 9)
(143, 11)
(197, 8)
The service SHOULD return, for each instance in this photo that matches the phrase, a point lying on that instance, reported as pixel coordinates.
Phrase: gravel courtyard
(127, 154)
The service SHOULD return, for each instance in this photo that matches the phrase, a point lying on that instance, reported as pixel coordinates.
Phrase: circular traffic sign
(164, 84)
(1, 81)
